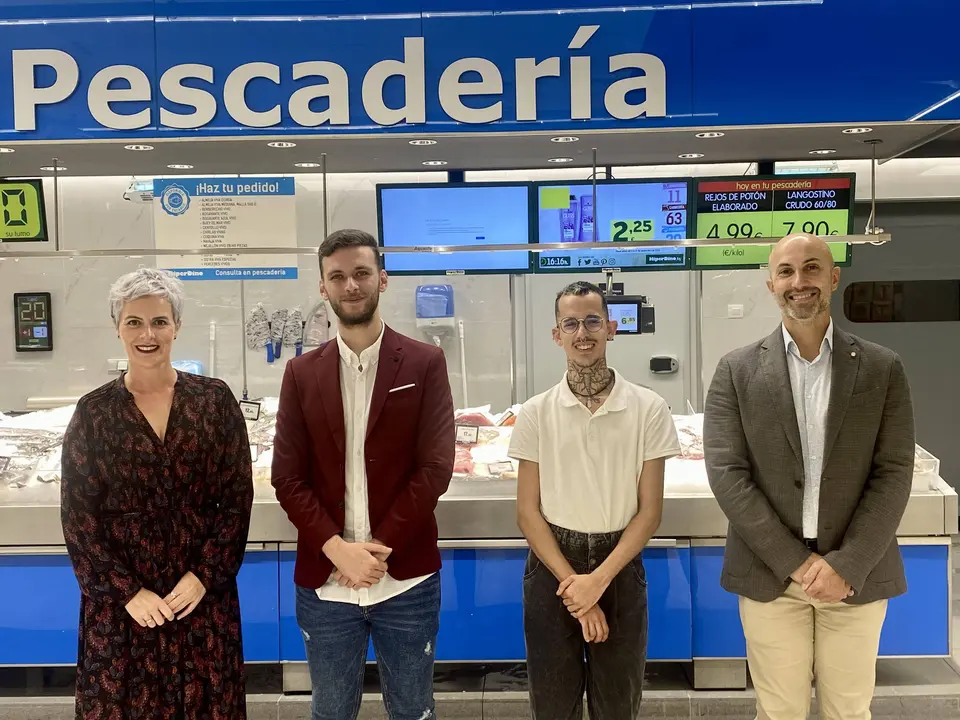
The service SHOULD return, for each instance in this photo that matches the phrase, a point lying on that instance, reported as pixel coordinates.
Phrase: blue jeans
(404, 631)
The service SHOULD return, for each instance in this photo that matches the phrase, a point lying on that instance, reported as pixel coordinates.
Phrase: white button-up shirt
(811, 382)
(357, 377)
(590, 463)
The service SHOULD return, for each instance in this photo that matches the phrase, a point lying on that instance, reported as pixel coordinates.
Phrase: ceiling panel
(387, 152)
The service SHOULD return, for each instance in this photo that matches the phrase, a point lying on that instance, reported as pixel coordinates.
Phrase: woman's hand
(185, 597)
(148, 609)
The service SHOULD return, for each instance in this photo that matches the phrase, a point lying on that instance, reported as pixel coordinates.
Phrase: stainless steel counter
(473, 510)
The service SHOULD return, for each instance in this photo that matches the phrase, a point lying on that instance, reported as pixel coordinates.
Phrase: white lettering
(653, 82)
(412, 70)
(188, 90)
(100, 95)
(26, 95)
(173, 89)
(235, 94)
(452, 88)
(582, 37)
(581, 104)
(528, 72)
(336, 89)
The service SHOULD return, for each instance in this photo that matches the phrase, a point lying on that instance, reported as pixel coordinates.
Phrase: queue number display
(745, 207)
(33, 322)
(22, 214)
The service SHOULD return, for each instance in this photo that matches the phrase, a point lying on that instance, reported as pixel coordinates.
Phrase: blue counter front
(691, 617)
(481, 616)
(38, 622)
(917, 623)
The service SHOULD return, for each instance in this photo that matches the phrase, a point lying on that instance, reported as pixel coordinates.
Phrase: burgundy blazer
(409, 449)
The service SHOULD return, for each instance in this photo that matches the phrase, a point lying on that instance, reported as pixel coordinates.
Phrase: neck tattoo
(591, 384)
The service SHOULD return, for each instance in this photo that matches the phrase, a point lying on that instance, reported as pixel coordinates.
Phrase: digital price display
(626, 212)
(752, 207)
(32, 322)
(22, 214)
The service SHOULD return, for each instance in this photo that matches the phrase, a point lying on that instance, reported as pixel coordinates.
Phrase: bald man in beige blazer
(809, 445)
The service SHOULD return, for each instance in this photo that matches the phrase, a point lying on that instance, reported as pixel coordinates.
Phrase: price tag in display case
(250, 410)
(468, 434)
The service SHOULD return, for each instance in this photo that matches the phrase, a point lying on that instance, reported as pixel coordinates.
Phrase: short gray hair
(147, 282)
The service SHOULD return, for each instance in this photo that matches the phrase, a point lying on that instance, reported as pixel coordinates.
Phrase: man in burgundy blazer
(364, 449)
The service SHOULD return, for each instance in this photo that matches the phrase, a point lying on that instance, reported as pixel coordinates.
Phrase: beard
(807, 312)
(356, 317)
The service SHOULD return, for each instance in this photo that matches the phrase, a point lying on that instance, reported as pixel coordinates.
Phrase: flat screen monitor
(754, 206)
(455, 215)
(634, 211)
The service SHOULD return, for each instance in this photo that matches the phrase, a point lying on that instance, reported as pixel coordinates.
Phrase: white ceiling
(392, 152)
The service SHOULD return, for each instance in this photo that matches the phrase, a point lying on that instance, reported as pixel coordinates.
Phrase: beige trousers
(794, 638)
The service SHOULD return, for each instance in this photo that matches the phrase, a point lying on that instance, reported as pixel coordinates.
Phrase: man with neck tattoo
(592, 451)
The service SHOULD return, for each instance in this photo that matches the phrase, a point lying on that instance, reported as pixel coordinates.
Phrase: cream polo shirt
(590, 464)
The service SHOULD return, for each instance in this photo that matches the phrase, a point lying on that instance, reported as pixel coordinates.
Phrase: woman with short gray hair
(156, 494)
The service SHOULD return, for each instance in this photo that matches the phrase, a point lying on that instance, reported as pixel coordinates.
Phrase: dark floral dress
(140, 513)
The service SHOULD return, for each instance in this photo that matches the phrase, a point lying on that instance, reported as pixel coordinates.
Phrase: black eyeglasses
(592, 323)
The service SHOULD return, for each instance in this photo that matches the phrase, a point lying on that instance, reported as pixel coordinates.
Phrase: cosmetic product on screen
(568, 222)
(586, 218)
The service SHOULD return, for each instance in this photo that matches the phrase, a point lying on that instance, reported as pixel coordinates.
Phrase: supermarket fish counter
(691, 618)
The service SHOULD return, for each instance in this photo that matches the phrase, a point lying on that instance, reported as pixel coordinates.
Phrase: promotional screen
(625, 212)
(752, 207)
(455, 215)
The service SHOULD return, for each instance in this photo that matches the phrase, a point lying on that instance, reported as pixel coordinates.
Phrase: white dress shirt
(590, 463)
(357, 377)
(810, 382)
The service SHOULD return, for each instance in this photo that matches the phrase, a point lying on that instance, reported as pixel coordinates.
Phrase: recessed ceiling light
(180, 167)
(307, 165)
(560, 160)
(138, 148)
(857, 130)
(281, 144)
(51, 168)
(690, 156)
(565, 139)
(705, 135)
(434, 162)
(423, 142)
(6, 150)
(825, 151)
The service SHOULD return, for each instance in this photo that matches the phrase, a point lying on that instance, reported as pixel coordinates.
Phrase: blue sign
(223, 217)
(209, 68)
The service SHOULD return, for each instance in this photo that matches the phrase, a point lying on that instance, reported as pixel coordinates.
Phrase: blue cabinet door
(291, 641)
(918, 623)
(717, 632)
(40, 613)
(259, 586)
